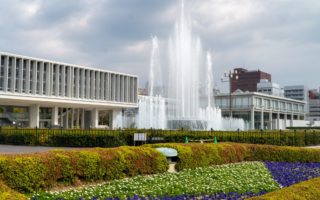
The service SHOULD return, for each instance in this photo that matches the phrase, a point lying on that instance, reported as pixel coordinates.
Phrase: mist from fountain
(187, 100)
(152, 108)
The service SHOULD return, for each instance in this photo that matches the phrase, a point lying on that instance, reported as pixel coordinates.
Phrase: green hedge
(44, 170)
(114, 138)
(201, 155)
(305, 190)
(7, 193)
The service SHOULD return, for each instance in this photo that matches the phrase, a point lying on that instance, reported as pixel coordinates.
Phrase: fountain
(186, 100)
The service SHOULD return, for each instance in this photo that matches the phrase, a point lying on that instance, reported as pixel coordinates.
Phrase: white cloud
(276, 36)
(28, 9)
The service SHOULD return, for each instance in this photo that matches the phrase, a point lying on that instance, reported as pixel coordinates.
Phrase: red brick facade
(247, 80)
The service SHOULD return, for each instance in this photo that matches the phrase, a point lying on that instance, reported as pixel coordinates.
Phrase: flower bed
(233, 180)
(287, 174)
(41, 171)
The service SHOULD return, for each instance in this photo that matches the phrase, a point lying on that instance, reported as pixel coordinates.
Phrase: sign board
(140, 137)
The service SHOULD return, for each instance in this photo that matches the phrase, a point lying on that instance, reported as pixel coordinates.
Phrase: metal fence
(120, 137)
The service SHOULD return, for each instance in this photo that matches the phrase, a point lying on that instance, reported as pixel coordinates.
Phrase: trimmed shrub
(7, 193)
(32, 172)
(26, 174)
(200, 155)
(302, 191)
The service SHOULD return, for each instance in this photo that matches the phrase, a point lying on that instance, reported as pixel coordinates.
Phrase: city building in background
(42, 93)
(314, 105)
(247, 80)
(298, 92)
(263, 111)
(270, 88)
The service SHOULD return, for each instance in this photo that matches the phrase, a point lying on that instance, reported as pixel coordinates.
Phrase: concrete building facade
(42, 93)
(270, 88)
(298, 92)
(314, 110)
(263, 111)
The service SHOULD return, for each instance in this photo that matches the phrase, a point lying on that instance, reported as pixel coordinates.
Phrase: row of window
(267, 103)
(259, 102)
(294, 91)
(53, 79)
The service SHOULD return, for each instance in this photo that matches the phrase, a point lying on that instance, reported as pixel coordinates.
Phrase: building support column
(278, 121)
(82, 118)
(72, 118)
(270, 121)
(252, 118)
(116, 118)
(5, 75)
(78, 118)
(41, 74)
(285, 121)
(262, 120)
(55, 115)
(48, 75)
(94, 118)
(34, 116)
(13, 75)
(34, 77)
(20, 82)
(65, 118)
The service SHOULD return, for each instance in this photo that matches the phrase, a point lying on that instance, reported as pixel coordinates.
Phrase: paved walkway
(17, 149)
(313, 147)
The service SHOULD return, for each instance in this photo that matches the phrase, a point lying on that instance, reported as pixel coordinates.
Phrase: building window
(104, 118)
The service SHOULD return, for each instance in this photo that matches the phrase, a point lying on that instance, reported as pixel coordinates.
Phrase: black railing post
(295, 139)
(238, 140)
(60, 142)
(37, 137)
(305, 138)
(212, 134)
(149, 136)
(280, 137)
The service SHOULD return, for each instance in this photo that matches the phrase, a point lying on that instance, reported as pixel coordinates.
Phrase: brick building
(247, 80)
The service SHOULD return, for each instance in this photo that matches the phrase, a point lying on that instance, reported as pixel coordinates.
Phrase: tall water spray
(209, 81)
(152, 108)
(186, 100)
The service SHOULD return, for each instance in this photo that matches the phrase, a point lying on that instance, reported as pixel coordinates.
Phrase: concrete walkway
(17, 149)
(313, 147)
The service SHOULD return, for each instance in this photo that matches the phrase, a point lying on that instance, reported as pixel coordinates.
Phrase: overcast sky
(281, 37)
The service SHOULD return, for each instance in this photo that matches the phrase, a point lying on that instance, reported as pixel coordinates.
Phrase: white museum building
(42, 93)
(263, 111)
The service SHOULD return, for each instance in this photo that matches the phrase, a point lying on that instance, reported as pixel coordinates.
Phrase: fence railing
(120, 137)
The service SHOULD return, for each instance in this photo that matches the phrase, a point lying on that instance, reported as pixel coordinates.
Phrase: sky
(281, 37)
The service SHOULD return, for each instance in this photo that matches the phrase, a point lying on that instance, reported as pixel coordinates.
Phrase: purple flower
(286, 173)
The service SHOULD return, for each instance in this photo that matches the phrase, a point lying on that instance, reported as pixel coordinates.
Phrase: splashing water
(186, 100)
